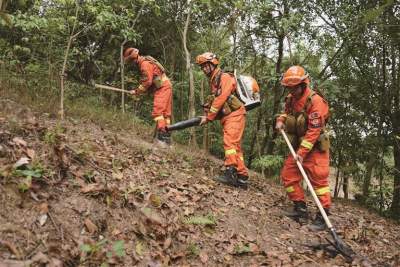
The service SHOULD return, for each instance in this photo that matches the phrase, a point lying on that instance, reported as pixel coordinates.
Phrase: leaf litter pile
(79, 194)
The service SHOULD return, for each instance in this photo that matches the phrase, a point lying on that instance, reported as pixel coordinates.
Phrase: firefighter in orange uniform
(222, 104)
(304, 118)
(154, 80)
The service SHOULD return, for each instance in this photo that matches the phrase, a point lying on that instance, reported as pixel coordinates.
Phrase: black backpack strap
(218, 83)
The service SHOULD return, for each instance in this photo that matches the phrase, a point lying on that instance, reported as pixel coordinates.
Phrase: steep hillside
(79, 194)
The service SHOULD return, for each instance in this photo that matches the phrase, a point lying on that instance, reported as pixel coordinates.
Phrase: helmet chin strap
(210, 69)
(303, 88)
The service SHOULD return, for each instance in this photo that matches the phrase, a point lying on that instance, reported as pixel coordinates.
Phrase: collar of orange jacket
(215, 74)
(140, 59)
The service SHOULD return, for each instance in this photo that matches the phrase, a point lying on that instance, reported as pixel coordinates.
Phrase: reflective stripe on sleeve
(213, 110)
(290, 189)
(159, 118)
(306, 144)
(230, 152)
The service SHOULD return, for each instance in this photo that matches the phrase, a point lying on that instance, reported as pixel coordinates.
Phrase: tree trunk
(49, 61)
(368, 175)
(64, 67)
(189, 69)
(260, 113)
(345, 186)
(269, 140)
(254, 137)
(181, 101)
(122, 75)
(337, 183)
(395, 207)
(234, 36)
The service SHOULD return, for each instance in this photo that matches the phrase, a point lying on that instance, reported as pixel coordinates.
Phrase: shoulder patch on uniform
(314, 115)
(315, 123)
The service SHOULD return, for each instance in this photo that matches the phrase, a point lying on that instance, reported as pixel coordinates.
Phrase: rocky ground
(78, 194)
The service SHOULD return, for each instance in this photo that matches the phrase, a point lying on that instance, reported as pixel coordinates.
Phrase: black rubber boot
(299, 212)
(318, 223)
(229, 177)
(243, 181)
(164, 137)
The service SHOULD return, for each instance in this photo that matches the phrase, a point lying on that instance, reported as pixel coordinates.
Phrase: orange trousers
(316, 166)
(233, 128)
(162, 105)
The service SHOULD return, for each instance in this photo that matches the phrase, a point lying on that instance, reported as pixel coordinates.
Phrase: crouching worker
(155, 81)
(304, 118)
(224, 105)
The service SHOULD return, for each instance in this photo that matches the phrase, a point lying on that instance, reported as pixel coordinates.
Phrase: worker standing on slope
(154, 80)
(224, 105)
(304, 118)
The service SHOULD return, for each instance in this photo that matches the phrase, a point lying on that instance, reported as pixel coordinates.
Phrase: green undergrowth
(81, 104)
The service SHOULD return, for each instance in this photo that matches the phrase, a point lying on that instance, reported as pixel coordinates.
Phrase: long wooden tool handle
(314, 195)
(111, 88)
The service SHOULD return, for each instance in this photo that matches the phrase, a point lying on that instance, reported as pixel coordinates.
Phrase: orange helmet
(207, 57)
(295, 75)
(131, 52)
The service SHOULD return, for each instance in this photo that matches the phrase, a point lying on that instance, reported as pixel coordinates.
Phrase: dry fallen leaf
(12, 263)
(42, 219)
(228, 257)
(12, 248)
(55, 263)
(92, 188)
(116, 232)
(21, 162)
(253, 247)
(152, 216)
(43, 208)
(253, 209)
(155, 200)
(40, 258)
(167, 243)
(19, 141)
(30, 153)
(203, 257)
(91, 227)
(139, 248)
(118, 175)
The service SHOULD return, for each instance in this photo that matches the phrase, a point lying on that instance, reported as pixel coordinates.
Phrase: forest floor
(80, 194)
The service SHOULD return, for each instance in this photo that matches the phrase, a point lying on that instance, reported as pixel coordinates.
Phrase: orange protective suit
(315, 162)
(222, 86)
(162, 103)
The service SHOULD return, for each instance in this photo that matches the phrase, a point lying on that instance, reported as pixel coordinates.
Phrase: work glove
(280, 125)
(203, 120)
(206, 108)
(133, 92)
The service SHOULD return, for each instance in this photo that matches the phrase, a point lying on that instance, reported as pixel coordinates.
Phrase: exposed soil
(97, 197)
